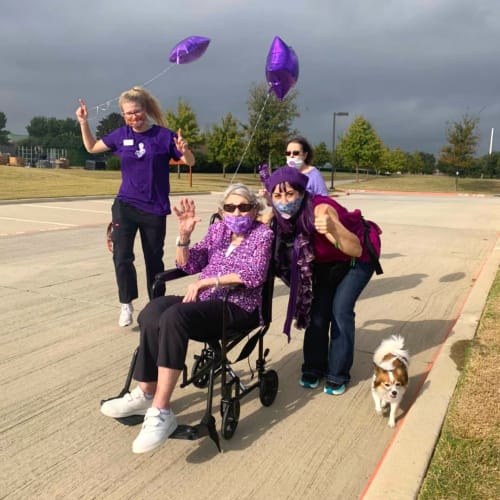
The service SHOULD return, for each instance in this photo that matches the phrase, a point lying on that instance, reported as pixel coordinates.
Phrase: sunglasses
(133, 113)
(242, 207)
(293, 153)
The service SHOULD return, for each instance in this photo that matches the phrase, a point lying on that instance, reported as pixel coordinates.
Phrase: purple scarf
(294, 260)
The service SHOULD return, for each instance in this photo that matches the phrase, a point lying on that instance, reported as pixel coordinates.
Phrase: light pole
(335, 114)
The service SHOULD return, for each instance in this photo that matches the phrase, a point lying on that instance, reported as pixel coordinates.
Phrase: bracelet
(179, 244)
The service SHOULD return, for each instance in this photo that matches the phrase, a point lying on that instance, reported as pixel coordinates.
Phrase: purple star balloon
(282, 68)
(189, 49)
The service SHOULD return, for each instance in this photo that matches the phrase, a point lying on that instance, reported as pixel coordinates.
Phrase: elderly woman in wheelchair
(235, 251)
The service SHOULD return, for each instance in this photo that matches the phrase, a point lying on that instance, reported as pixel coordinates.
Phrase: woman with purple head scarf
(324, 256)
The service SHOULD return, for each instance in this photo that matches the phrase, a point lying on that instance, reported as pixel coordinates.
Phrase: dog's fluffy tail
(393, 345)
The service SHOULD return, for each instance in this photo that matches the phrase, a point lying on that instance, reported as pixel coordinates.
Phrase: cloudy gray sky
(407, 66)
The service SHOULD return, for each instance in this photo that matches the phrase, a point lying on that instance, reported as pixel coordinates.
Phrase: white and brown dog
(390, 377)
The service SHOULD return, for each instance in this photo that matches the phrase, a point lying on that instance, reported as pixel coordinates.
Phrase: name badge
(128, 142)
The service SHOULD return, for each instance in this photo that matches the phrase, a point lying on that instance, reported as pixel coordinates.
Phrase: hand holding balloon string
(82, 113)
(180, 143)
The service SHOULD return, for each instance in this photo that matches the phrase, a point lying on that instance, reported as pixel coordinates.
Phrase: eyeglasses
(133, 113)
(242, 207)
(293, 153)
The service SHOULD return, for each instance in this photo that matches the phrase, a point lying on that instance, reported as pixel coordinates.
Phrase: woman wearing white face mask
(299, 154)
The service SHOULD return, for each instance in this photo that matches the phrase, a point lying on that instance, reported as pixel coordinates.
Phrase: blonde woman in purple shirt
(235, 251)
(145, 148)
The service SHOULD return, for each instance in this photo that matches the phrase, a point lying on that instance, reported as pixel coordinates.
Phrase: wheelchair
(212, 363)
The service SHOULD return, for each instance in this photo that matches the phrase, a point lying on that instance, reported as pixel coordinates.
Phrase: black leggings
(167, 324)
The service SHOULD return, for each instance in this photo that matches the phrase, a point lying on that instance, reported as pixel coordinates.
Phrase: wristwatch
(179, 244)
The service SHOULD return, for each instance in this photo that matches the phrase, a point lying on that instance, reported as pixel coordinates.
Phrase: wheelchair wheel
(268, 388)
(200, 363)
(230, 418)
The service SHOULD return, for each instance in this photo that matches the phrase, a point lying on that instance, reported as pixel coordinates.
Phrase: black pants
(126, 221)
(167, 324)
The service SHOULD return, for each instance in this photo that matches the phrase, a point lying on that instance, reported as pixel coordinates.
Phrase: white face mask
(295, 162)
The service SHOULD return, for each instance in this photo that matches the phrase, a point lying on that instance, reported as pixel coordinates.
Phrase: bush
(113, 163)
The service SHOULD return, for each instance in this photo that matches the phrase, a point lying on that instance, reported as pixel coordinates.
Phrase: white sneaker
(126, 315)
(156, 429)
(133, 403)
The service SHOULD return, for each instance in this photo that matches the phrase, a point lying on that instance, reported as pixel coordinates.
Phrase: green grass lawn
(425, 183)
(21, 183)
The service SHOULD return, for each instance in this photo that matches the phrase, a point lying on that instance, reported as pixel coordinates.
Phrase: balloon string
(251, 137)
(106, 105)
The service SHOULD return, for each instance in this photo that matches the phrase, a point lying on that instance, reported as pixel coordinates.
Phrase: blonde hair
(146, 101)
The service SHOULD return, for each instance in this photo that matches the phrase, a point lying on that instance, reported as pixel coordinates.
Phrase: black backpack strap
(374, 257)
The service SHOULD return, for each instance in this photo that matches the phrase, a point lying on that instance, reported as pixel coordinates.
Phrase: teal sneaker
(309, 381)
(334, 389)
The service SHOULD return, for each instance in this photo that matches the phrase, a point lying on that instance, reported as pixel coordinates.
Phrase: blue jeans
(332, 312)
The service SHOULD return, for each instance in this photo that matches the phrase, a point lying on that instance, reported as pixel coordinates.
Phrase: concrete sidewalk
(63, 352)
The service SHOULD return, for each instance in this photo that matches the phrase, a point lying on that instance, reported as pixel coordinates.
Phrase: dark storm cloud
(409, 67)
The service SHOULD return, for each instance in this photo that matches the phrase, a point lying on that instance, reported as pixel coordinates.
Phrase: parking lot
(62, 352)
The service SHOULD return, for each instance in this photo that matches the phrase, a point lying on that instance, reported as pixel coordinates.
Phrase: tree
(394, 160)
(225, 142)
(108, 124)
(321, 154)
(415, 163)
(54, 132)
(429, 162)
(360, 146)
(4, 134)
(489, 165)
(269, 124)
(185, 119)
(463, 139)
(57, 133)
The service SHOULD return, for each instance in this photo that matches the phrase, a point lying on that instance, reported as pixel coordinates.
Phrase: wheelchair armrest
(170, 274)
(158, 286)
(227, 289)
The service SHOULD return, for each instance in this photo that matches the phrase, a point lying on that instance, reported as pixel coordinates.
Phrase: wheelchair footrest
(192, 432)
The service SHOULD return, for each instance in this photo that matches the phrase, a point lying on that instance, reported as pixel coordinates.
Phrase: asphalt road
(62, 352)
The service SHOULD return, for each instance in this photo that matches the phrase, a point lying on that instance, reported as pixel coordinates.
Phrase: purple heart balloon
(189, 49)
(282, 68)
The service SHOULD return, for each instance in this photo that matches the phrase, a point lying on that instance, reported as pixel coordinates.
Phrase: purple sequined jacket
(250, 261)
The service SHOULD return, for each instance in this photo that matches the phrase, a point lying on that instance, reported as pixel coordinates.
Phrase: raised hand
(180, 143)
(81, 112)
(186, 217)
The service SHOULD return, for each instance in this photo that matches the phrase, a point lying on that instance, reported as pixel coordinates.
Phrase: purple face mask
(238, 224)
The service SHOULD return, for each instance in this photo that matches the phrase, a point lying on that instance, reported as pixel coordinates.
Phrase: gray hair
(243, 191)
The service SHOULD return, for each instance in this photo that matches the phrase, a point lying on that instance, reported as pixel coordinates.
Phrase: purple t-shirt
(249, 260)
(316, 184)
(144, 158)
